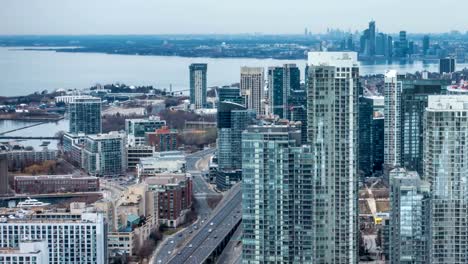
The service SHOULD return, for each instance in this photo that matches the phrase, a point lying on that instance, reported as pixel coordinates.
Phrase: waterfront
(25, 72)
(45, 130)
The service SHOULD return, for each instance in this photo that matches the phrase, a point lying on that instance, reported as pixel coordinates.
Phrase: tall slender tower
(392, 112)
(332, 109)
(446, 169)
(251, 85)
(198, 84)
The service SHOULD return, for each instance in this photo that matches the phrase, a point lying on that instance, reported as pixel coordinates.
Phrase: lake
(24, 72)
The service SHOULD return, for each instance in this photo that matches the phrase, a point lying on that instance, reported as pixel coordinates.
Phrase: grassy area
(171, 231)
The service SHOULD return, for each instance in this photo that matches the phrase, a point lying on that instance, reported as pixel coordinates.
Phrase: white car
(210, 230)
(211, 224)
(190, 246)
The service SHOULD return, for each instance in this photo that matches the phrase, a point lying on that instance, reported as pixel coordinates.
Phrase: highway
(201, 190)
(214, 230)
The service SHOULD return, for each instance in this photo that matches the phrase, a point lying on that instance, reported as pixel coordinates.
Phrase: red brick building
(55, 184)
(163, 139)
(173, 193)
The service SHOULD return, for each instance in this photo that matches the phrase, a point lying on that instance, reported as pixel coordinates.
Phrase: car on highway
(190, 246)
(210, 230)
(211, 224)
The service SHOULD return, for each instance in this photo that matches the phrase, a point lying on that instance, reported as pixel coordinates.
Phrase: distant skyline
(77, 17)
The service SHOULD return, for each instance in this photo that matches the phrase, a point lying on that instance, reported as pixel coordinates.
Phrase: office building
(409, 221)
(20, 159)
(413, 104)
(377, 142)
(4, 184)
(276, 196)
(332, 112)
(28, 252)
(85, 115)
(75, 237)
(73, 144)
(251, 86)
(198, 85)
(104, 154)
(447, 65)
(230, 94)
(392, 138)
(366, 115)
(281, 81)
(136, 129)
(233, 119)
(43, 184)
(445, 168)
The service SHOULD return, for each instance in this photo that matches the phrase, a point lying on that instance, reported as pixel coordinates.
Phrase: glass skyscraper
(446, 169)
(233, 119)
(276, 196)
(104, 154)
(392, 138)
(85, 115)
(281, 81)
(332, 111)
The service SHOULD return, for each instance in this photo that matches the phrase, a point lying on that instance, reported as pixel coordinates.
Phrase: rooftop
(54, 177)
(337, 59)
(447, 102)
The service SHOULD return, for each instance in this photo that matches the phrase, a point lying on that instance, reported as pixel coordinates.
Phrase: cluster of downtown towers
(300, 192)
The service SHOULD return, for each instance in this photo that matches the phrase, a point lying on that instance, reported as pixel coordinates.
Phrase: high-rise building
(409, 221)
(104, 154)
(425, 45)
(136, 129)
(445, 168)
(198, 84)
(380, 44)
(4, 183)
(392, 113)
(298, 110)
(447, 65)
(75, 237)
(332, 112)
(413, 104)
(28, 251)
(281, 81)
(251, 86)
(85, 115)
(372, 38)
(366, 115)
(403, 45)
(276, 196)
(233, 119)
(230, 94)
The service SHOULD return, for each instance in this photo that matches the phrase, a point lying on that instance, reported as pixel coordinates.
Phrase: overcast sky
(227, 16)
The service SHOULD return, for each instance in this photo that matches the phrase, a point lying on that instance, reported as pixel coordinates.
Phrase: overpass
(208, 243)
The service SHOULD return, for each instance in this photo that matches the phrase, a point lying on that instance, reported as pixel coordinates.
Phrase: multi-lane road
(223, 220)
(201, 190)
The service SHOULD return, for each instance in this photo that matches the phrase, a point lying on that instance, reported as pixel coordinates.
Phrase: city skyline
(207, 16)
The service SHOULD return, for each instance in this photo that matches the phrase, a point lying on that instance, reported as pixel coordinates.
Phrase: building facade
(276, 200)
(392, 113)
(332, 111)
(445, 168)
(104, 154)
(233, 119)
(252, 85)
(71, 237)
(281, 80)
(136, 129)
(409, 221)
(28, 252)
(85, 115)
(413, 104)
(230, 94)
(447, 65)
(43, 184)
(163, 139)
(198, 85)
(4, 183)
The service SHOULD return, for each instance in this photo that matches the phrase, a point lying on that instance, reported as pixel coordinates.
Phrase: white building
(446, 169)
(28, 252)
(392, 122)
(252, 88)
(71, 98)
(162, 162)
(332, 112)
(76, 237)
